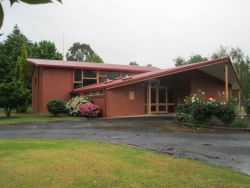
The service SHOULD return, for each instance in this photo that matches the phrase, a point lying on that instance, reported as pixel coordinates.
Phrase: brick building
(123, 90)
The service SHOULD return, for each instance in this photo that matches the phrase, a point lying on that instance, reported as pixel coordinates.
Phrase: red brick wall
(53, 83)
(210, 85)
(118, 103)
(100, 101)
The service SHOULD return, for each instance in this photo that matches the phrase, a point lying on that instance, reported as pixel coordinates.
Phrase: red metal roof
(87, 65)
(150, 75)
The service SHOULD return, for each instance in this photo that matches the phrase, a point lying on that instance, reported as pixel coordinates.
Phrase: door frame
(149, 103)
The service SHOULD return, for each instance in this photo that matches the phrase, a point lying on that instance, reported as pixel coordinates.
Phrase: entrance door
(162, 100)
(158, 100)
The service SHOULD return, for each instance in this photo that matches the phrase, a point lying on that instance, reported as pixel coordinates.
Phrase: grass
(75, 163)
(29, 117)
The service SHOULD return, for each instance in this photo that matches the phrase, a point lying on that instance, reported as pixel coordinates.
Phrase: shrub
(200, 109)
(226, 112)
(90, 110)
(56, 106)
(247, 106)
(73, 105)
(11, 95)
(240, 124)
(184, 117)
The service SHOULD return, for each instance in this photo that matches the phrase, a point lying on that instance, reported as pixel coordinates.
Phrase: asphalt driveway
(225, 149)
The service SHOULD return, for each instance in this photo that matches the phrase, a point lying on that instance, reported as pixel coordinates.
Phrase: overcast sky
(146, 31)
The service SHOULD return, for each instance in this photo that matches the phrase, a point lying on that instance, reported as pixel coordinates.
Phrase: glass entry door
(162, 100)
(158, 99)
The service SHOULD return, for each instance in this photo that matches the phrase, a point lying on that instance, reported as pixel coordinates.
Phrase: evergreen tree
(22, 77)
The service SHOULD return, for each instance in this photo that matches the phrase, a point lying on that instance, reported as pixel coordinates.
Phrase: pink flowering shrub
(90, 110)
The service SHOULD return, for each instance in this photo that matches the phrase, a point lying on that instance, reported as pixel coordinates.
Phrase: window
(77, 75)
(89, 73)
(102, 79)
(102, 76)
(84, 78)
(77, 78)
(94, 93)
(86, 81)
(113, 74)
(124, 74)
(170, 95)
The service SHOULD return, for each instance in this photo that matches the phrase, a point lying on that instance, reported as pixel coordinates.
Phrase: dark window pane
(162, 108)
(162, 95)
(78, 75)
(170, 95)
(153, 108)
(88, 82)
(89, 73)
(77, 85)
(171, 108)
(93, 93)
(102, 79)
(112, 75)
(125, 74)
(153, 95)
(102, 73)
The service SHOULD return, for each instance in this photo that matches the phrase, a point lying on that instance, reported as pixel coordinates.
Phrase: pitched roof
(150, 75)
(88, 65)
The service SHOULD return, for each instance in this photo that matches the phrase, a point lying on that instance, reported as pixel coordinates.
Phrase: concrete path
(225, 149)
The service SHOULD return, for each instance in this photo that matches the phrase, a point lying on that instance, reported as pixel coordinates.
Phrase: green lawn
(30, 117)
(75, 163)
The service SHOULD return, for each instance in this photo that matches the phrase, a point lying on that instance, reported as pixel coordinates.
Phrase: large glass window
(102, 76)
(162, 95)
(77, 75)
(170, 95)
(113, 74)
(153, 95)
(89, 73)
(124, 74)
(86, 82)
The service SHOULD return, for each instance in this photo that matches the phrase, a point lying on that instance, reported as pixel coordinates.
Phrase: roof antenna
(63, 47)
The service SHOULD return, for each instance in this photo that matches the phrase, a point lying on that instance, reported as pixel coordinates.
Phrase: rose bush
(200, 110)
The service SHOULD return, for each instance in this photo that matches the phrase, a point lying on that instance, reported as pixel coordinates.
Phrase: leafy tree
(12, 94)
(149, 65)
(45, 50)
(192, 59)
(222, 52)
(24, 1)
(179, 61)
(196, 58)
(93, 58)
(133, 63)
(79, 52)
